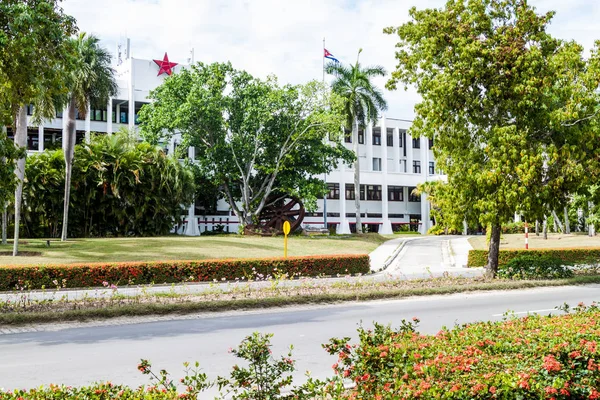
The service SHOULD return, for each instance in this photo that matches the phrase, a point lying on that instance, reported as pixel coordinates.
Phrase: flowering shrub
(532, 267)
(96, 274)
(553, 357)
(569, 256)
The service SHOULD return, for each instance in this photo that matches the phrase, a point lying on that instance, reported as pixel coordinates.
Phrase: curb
(390, 259)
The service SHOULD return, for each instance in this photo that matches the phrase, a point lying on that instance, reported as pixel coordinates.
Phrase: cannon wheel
(273, 216)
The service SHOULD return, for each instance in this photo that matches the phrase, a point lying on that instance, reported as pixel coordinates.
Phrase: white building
(391, 162)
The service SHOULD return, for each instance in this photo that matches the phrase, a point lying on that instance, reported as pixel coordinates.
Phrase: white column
(424, 214)
(131, 97)
(424, 156)
(88, 119)
(109, 123)
(369, 144)
(343, 227)
(396, 150)
(192, 226)
(41, 138)
(386, 226)
(409, 153)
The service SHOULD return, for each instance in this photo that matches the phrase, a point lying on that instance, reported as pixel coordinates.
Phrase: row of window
(373, 192)
(416, 166)
(416, 142)
(100, 115)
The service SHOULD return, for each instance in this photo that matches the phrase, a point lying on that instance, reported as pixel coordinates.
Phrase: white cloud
(285, 37)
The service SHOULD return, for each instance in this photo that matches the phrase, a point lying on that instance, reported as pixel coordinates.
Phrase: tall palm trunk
(68, 148)
(4, 223)
(20, 142)
(356, 176)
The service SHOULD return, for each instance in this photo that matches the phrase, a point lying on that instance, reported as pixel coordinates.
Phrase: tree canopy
(513, 109)
(252, 137)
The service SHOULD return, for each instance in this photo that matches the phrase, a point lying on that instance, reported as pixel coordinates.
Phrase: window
(59, 114)
(377, 136)
(29, 109)
(123, 117)
(416, 143)
(414, 198)
(361, 136)
(347, 136)
(334, 191)
(98, 115)
(430, 143)
(350, 192)
(416, 167)
(401, 134)
(376, 164)
(374, 192)
(402, 166)
(390, 137)
(395, 193)
(431, 168)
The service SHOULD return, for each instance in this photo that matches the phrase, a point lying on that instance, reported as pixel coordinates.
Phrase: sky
(285, 37)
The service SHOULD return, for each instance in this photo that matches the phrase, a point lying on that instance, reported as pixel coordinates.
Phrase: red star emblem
(166, 67)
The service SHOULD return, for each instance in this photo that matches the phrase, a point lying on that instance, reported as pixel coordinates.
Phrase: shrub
(532, 267)
(97, 274)
(530, 358)
(513, 227)
(568, 256)
(120, 187)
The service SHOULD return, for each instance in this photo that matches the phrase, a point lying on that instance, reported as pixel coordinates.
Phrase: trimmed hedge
(101, 274)
(570, 256)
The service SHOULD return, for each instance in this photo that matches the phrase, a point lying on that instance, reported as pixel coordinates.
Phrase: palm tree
(92, 83)
(362, 103)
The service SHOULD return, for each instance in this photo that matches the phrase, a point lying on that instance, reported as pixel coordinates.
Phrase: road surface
(78, 356)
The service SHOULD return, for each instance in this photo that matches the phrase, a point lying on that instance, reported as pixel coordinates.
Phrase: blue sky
(285, 37)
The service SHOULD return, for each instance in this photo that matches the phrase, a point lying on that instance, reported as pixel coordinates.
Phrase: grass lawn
(187, 248)
(555, 240)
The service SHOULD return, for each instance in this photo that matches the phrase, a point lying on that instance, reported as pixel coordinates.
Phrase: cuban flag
(330, 56)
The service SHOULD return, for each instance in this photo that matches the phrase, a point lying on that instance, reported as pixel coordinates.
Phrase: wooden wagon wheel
(273, 216)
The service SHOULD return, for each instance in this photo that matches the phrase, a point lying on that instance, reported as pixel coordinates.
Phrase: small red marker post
(526, 236)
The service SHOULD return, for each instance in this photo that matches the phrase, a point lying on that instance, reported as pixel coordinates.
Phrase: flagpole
(324, 197)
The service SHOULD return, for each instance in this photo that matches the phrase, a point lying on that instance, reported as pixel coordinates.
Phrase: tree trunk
(494, 252)
(545, 228)
(591, 231)
(567, 222)
(356, 176)
(4, 224)
(20, 142)
(69, 149)
(537, 228)
(557, 222)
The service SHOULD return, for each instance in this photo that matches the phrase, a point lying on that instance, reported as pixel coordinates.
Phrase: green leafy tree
(513, 110)
(362, 103)
(34, 60)
(252, 137)
(92, 81)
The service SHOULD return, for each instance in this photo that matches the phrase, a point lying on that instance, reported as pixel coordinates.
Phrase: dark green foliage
(119, 187)
(570, 256)
(532, 267)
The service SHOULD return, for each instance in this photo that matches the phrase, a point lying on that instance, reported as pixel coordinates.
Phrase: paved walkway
(415, 257)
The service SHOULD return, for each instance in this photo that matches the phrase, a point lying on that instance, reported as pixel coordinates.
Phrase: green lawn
(187, 248)
(555, 240)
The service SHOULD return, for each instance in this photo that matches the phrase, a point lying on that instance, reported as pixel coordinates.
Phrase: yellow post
(286, 231)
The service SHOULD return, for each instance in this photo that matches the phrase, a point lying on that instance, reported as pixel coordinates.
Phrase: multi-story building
(392, 163)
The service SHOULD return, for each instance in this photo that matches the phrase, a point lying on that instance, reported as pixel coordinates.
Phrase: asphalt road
(79, 356)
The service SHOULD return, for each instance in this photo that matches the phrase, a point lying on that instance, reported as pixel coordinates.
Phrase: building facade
(392, 163)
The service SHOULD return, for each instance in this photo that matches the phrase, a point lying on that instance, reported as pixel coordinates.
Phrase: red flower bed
(98, 274)
(530, 358)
